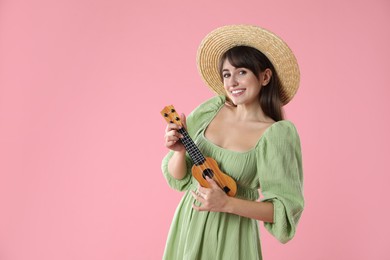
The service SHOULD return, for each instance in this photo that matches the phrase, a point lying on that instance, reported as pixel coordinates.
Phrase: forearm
(177, 165)
(263, 211)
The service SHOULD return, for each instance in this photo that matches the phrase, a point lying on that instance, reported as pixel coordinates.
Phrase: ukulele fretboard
(191, 148)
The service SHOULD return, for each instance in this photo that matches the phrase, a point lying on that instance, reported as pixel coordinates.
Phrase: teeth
(237, 91)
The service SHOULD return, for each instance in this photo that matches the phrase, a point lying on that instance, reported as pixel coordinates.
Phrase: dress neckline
(225, 149)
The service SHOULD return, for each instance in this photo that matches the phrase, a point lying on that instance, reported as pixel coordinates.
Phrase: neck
(251, 112)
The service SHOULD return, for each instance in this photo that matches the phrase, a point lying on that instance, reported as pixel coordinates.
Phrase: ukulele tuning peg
(165, 114)
(177, 119)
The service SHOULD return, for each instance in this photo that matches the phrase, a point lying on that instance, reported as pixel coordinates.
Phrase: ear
(266, 76)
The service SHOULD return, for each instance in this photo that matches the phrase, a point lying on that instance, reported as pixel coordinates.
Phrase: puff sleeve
(196, 121)
(281, 178)
(176, 184)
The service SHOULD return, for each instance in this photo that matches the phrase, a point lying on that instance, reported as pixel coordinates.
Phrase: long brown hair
(254, 60)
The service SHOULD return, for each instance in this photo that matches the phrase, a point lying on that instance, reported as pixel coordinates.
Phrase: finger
(213, 184)
(171, 127)
(198, 208)
(173, 133)
(197, 197)
(171, 138)
(203, 190)
(202, 195)
(183, 120)
(170, 143)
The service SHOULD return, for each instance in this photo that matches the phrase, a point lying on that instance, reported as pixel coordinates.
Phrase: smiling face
(248, 77)
(242, 86)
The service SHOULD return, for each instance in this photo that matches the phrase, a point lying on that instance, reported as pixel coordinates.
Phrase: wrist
(229, 205)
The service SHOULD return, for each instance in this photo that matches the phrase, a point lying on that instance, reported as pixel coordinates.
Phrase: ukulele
(203, 166)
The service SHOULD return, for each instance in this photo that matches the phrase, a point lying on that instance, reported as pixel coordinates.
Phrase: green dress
(274, 164)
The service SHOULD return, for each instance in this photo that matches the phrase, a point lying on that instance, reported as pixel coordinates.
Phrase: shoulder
(210, 105)
(282, 133)
(283, 127)
(202, 114)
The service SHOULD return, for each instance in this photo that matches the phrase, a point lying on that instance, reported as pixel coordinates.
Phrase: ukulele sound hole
(208, 172)
(226, 189)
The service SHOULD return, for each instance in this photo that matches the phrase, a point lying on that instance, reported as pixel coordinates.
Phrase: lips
(237, 92)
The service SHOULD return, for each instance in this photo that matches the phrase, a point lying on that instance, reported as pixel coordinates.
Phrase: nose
(232, 81)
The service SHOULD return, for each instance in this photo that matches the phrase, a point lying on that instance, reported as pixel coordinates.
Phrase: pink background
(81, 139)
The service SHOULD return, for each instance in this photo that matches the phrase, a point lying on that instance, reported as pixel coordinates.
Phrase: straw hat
(216, 43)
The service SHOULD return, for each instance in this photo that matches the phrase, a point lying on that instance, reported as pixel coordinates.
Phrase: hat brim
(216, 43)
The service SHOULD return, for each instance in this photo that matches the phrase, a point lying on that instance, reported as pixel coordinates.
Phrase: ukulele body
(210, 168)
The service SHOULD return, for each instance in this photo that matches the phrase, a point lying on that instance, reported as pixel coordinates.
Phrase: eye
(226, 75)
(243, 72)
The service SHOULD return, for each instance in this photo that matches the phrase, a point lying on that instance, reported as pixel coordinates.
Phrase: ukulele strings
(218, 180)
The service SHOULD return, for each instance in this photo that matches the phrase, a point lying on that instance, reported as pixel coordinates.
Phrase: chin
(237, 101)
(241, 101)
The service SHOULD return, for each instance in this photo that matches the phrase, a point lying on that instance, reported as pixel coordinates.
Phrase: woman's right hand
(172, 136)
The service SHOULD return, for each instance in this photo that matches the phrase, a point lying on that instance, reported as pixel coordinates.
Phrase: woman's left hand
(212, 199)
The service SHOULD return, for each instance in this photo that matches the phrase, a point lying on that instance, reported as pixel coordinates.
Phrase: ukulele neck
(193, 151)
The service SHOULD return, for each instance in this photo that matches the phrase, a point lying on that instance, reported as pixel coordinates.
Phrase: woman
(254, 74)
